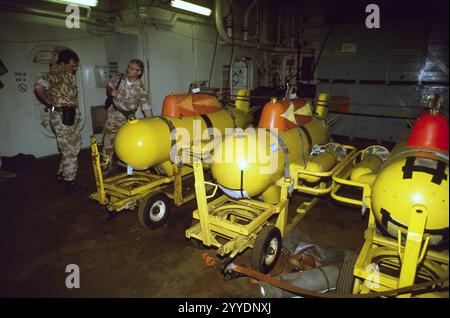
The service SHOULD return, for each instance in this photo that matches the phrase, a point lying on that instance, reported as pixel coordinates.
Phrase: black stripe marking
(386, 217)
(231, 114)
(242, 184)
(308, 136)
(207, 120)
(208, 123)
(438, 173)
(172, 129)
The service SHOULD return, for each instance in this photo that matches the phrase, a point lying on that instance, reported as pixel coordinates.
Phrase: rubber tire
(346, 279)
(144, 210)
(265, 236)
(197, 243)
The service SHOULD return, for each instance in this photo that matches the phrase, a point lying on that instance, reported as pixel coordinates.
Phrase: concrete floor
(43, 230)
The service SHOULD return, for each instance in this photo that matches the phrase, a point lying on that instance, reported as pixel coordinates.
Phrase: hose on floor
(301, 291)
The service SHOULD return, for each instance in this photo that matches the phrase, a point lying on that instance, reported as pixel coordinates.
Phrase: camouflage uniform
(62, 87)
(129, 97)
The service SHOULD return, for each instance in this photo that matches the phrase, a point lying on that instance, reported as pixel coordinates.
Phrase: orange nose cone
(430, 131)
(271, 116)
(179, 105)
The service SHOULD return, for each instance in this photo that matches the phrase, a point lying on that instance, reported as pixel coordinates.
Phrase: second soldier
(128, 93)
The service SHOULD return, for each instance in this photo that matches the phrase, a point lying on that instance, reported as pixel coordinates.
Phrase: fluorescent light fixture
(190, 7)
(89, 3)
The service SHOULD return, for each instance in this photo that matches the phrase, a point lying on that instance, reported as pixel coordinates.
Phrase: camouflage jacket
(61, 85)
(131, 94)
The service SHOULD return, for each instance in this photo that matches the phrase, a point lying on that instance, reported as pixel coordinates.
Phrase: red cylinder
(430, 131)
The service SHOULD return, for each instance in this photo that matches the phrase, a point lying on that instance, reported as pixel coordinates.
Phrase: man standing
(57, 90)
(128, 93)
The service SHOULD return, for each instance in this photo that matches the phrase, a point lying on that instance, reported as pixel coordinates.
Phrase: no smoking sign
(22, 87)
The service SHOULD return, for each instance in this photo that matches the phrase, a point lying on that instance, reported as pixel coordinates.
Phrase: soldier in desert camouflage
(128, 94)
(57, 90)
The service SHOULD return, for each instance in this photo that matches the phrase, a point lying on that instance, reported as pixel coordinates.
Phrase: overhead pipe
(229, 28)
(169, 22)
(247, 14)
(173, 20)
(280, 16)
(239, 42)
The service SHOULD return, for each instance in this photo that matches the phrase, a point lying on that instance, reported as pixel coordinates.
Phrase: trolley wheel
(197, 243)
(346, 279)
(266, 249)
(154, 210)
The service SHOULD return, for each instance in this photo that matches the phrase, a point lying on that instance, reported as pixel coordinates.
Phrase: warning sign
(21, 78)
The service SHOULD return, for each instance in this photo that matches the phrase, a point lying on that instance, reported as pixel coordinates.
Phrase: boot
(73, 186)
(6, 174)
(106, 168)
(106, 172)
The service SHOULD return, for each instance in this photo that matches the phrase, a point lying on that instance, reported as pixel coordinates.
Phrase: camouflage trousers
(114, 121)
(68, 141)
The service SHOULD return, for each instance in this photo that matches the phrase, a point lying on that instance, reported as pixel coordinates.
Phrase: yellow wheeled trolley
(154, 144)
(233, 225)
(406, 241)
(154, 194)
(258, 170)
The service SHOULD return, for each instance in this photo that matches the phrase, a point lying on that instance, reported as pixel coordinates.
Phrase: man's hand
(111, 91)
(148, 113)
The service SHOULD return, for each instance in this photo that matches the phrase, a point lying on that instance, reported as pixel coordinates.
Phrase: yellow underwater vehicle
(406, 191)
(257, 170)
(149, 147)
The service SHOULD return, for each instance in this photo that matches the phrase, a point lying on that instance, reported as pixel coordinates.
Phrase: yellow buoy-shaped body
(365, 170)
(413, 178)
(320, 163)
(248, 163)
(144, 143)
